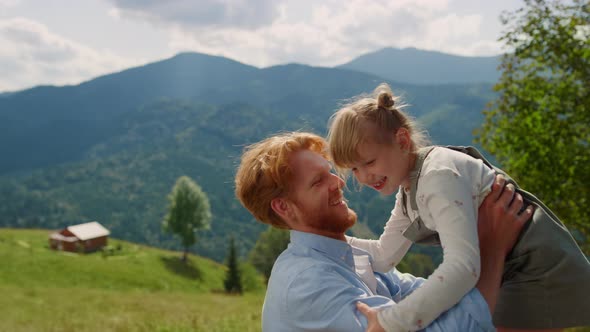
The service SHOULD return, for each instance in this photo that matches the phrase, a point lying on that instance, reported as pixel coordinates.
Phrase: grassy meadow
(136, 288)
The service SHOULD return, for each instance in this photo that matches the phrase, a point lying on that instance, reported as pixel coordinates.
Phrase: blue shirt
(314, 286)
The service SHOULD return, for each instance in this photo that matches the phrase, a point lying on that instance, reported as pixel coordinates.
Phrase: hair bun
(385, 100)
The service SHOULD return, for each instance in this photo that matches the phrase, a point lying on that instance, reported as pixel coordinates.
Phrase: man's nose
(337, 182)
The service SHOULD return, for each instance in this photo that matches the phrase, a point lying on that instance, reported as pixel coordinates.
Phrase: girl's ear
(403, 139)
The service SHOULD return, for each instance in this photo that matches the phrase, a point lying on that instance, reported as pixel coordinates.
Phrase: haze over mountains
(411, 65)
(110, 149)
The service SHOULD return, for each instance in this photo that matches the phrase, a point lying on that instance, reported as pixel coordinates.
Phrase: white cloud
(9, 3)
(333, 32)
(210, 13)
(260, 33)
(29, 52)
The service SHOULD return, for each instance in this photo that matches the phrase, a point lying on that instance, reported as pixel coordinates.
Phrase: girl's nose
(361, 175)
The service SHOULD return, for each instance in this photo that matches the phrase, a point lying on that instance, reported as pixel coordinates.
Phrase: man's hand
(499, 224)
(371, 315)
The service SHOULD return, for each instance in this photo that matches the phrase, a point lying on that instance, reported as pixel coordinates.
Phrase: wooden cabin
(87, 237)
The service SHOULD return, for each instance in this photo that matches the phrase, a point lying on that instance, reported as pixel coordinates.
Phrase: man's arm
(320, 299)
(499, 225)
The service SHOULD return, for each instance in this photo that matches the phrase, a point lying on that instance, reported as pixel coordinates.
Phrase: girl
(547, 278)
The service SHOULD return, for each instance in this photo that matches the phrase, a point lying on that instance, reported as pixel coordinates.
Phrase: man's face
(316, 196)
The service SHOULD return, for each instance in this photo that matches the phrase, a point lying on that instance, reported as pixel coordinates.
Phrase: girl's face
(382, 166)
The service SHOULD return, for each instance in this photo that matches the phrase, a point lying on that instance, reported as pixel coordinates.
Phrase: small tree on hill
(233, 277)
(188, 212)
(269, 246)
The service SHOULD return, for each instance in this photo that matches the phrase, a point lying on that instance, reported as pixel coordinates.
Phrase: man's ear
(281, 207)
(403, 139)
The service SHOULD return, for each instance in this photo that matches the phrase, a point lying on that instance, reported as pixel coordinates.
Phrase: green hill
(110, 149)
(135, 288)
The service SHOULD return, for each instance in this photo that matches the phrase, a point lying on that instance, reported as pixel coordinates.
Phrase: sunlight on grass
(78, 309)
(138, 288)
(134, 288)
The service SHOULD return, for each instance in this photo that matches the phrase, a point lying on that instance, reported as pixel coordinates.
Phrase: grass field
(82, 309)
(137, 288)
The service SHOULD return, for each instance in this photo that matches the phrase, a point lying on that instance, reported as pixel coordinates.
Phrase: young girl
(547, 278)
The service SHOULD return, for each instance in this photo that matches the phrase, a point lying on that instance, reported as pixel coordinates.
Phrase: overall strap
(414, 176)
(473, 152)
(417, 232)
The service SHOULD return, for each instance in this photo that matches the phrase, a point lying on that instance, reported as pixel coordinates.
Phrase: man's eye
(370, 162)
(354, 169)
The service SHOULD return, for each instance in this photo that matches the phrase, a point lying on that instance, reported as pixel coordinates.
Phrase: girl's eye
(354, 169)
(371, 162)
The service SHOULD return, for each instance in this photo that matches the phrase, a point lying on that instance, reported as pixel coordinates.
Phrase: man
(286, 181)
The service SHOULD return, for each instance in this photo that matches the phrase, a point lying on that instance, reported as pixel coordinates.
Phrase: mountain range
(414, 66)
(110, 149)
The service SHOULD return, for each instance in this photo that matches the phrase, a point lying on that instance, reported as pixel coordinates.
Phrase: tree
(233, 275)
(420, 265)
(269, 246)
(188, 212)
(538, 128)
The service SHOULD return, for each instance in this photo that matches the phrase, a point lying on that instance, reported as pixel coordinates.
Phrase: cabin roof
(89, 230)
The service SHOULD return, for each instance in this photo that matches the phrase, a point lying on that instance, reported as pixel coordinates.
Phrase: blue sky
(69, 41)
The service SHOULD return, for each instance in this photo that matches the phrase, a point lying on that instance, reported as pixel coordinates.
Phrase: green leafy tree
(233, 276)
(188, 212)
(538, 128)
(420, 265)
(269, 246)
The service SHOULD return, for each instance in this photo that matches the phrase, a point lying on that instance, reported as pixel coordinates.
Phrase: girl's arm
(392, 246)
(448, 205)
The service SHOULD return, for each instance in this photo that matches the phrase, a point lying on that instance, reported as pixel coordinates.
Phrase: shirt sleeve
(392, 246)
(471, 314)
(325, 301)
(445, 203)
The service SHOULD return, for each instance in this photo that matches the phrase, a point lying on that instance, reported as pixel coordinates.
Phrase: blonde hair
(369, 118)
(264, 172)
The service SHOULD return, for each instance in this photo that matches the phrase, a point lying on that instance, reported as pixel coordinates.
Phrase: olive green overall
(546, 281)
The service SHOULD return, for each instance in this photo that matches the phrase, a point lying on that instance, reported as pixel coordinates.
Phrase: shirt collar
(335, 249)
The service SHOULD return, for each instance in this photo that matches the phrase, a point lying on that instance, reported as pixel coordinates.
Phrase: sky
(62, 42)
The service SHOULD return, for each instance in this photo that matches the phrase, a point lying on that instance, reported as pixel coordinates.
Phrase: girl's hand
(371, 315)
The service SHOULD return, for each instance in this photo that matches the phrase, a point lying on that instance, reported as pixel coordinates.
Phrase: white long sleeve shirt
(451, 187)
